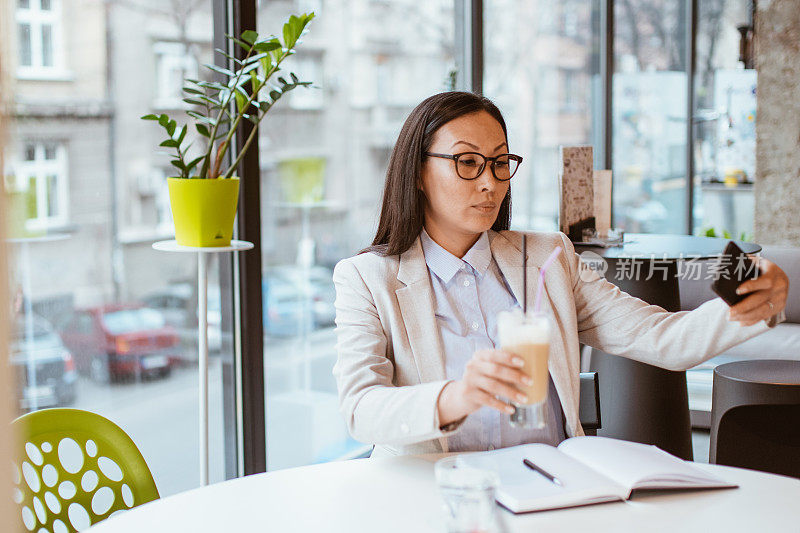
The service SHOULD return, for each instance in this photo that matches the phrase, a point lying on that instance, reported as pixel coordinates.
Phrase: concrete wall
(777, 187)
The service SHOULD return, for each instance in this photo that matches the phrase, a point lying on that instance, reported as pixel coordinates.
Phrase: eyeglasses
(470, 165)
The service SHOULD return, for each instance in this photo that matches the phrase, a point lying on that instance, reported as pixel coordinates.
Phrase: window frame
(171, 56)
(39, 169)
(244, 271)
(38, 18)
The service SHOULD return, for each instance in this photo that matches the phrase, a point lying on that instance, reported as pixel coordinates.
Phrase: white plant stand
(202, 333)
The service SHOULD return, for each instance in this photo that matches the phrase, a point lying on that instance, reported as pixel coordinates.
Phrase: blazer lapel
(507, 251)
(417, 308)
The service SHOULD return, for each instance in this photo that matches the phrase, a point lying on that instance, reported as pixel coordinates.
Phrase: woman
(418, 370)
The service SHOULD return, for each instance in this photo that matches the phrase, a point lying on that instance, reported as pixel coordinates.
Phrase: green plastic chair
(75, 468)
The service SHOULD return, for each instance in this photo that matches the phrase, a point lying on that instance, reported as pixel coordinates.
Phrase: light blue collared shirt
(468, 294)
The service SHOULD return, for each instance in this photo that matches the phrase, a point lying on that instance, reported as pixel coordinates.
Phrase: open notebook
(590, 469)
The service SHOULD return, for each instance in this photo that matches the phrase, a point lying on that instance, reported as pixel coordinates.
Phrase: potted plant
(204, 194)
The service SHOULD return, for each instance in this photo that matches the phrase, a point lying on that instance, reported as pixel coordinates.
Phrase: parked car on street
(178, 303)
(44, 368)
(121, 341)
(289, 298)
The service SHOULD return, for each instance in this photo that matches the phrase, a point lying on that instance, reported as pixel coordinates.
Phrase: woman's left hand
(766, 294)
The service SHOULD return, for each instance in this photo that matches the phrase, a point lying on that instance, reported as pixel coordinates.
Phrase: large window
(541, 68)
(322, 175)
(725, 121)
(101, 321)
(649, 116)
(89, 197)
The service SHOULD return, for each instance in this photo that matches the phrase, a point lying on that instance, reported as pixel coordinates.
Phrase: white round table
(400, 494)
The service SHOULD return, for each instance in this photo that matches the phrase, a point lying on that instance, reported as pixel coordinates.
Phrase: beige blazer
(390, 367)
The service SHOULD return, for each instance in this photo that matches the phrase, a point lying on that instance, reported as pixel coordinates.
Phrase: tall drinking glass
(528, 337)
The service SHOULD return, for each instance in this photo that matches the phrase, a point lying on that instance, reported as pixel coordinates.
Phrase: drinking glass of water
(468, 496)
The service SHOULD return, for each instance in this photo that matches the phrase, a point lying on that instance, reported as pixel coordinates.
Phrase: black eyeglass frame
(491, 160)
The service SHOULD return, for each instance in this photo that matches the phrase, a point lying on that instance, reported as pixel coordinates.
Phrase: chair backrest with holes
(75, 468)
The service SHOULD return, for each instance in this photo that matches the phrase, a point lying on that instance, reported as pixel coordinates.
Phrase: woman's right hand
(490, 373)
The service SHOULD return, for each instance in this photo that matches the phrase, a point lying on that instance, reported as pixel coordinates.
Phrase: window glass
(649, 116)
(47, 45)
(87, 198)
(725, 122)
(25, 52)
(323, 168)
(541, 68)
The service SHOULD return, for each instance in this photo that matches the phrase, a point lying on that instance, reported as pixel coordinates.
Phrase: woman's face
(455, 206)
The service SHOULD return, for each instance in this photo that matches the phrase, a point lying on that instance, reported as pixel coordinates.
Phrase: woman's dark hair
(402, 211)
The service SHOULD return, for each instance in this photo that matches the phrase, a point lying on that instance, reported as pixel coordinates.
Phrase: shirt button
(466, 283)
(475, 325)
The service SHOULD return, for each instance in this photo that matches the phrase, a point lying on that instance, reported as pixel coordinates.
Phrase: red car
(122, 341)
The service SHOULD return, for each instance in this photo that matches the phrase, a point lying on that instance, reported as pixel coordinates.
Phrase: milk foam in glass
(528, 337)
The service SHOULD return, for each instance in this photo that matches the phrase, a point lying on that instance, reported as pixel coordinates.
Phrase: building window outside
(174, 63)
(39, 32)
(308, 67)
(39, 179)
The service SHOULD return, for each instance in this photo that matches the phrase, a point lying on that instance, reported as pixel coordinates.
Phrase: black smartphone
(735, 269)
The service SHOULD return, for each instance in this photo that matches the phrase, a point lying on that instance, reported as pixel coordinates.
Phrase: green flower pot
(203, 210)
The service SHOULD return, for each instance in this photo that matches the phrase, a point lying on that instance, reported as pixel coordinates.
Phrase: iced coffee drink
(528, 336)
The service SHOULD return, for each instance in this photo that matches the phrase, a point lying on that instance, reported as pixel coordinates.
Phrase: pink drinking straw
(542, 271)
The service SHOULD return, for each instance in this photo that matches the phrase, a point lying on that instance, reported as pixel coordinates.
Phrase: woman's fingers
(500, 357)
(484, 398)
(500, 388)
(753, 301)
(767, 294)
(503, 373)
(751, 317)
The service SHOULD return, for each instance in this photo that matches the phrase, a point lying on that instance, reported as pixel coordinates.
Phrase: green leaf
(249, 36)
(169, 143)
(193, 163)
(211, 85)
(182, 134)
(219, 70)
(192, 90)
(202, 130)
(255, 86)
(163, 120)
(295, 79)
(227, 55)
(194, 101)
(288, 41)
(266, 63)
(246, 47)
(255, 58)
(150, 117)
(241, 100)
(178, 163)
(275, 95)
(171, 125)
(268, 46)
(201, 118)
(247, 68)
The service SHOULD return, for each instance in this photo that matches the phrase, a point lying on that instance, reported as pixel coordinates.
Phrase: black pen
(542, 471)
